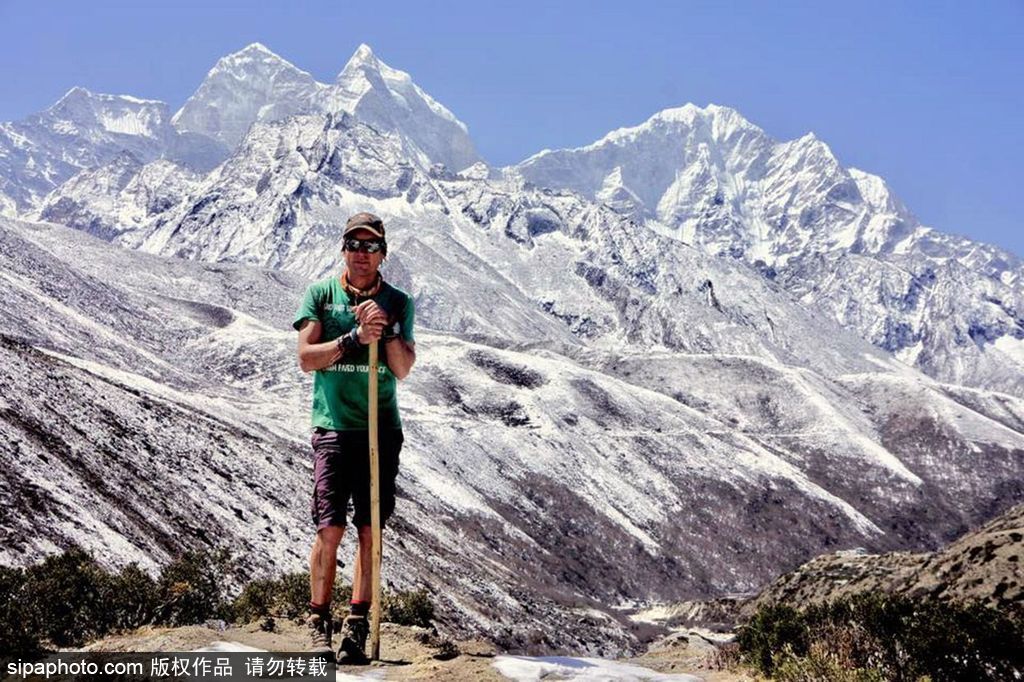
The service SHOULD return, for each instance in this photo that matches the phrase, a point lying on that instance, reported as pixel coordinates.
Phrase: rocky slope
(981, 566)
(542, 484)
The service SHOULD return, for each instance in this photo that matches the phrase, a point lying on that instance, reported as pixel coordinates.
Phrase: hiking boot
(354, 632)
(320, 631)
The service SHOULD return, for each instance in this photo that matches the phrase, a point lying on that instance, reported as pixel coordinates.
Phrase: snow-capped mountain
(838, 238)
(281, 199)
(118, 197)
(81, 130)
(84, 130)
(255, 85)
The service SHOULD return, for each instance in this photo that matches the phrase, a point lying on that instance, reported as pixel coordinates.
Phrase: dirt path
(410, 653)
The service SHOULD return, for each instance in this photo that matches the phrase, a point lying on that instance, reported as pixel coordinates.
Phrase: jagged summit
(75, 92)
(364, 70)
(363, 56)
(720, 121)
(258, 47)
(388, 99)
(253, 84)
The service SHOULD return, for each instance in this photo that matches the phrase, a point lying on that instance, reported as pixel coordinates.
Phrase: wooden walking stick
(374, 507)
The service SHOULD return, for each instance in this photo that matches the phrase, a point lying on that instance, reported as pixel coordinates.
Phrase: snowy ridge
(710, 178)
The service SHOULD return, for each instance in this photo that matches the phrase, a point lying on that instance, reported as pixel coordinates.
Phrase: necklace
(355, 292)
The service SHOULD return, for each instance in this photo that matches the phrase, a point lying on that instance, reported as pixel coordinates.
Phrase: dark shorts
(341, 471)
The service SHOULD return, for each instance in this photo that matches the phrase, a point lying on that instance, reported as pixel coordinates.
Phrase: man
(338, 318)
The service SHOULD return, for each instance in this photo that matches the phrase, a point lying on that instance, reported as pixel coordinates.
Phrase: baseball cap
(365, 221)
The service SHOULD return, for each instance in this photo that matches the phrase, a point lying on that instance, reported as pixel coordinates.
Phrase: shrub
(284, 597)
(17, 636)
(773, 630)
(69, 599)
(820, 664)
(893, 636)
(288, 597)
(132, 598)
(256, 601)
(408, 608)
(192, 589)
(66, 596)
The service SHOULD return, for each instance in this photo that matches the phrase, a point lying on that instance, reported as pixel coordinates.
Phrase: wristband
(350, 341)
(392, 331)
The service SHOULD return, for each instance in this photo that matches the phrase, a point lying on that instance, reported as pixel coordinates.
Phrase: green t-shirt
(340, 392)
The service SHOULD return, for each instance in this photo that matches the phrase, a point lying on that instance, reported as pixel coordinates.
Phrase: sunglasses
(367, 245)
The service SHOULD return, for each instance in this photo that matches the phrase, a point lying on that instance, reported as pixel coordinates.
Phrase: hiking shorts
(341, 473)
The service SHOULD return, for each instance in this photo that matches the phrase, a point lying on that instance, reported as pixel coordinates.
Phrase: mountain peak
(388, 99)
(255, 54)
(362, 59)
(75, 93)
(362, 55)
(257, 47)
(252, 84)
(112, 112)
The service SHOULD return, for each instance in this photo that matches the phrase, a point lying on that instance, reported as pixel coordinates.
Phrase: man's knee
(329, 537)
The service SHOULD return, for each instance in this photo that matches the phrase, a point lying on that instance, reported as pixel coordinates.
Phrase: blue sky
(928, 95)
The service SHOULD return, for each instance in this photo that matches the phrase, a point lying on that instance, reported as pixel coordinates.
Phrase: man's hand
(368, 311)
(372, 320)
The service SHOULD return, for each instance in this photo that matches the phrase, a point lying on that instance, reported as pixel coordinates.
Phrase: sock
(320, 609)
(360, 608)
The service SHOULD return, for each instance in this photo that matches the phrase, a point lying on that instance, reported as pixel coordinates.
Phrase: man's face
(360, 263)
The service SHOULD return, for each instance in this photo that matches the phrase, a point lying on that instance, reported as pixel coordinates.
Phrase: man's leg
(322, 563)
(356, 627)
(323, 559)
(362, 582)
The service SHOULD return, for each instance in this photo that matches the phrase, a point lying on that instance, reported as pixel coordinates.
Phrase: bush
(408, 608)
(288, 597)
(891, 636)
(132, 599)
(820, 664)
(66, 596)
(284, 597)
(68, 599)
(773, 630)
(192, 589)
(256, 601)
(293, 595)
(17, 636)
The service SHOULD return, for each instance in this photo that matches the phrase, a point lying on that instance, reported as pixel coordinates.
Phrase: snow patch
(527, 669)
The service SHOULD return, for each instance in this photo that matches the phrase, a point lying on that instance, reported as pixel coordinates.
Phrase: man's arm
(401, 355)
(313, 355)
